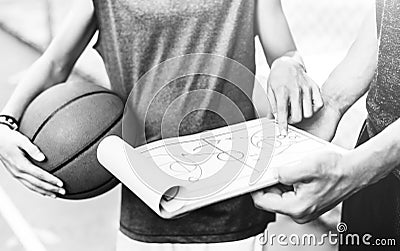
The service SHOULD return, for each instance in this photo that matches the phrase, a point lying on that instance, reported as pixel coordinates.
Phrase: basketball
(67, 122)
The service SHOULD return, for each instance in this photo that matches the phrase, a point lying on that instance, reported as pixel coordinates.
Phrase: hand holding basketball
(13, 146)
(67, 122)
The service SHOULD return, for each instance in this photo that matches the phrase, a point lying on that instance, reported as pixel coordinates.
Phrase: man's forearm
(378, 156)
(351, 78)
(348, 82)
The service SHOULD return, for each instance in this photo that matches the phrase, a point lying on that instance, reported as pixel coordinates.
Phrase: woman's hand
(13, 150)
(294, 96)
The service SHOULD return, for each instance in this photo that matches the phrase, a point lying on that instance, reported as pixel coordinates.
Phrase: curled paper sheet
(112, 153)
(177, 175)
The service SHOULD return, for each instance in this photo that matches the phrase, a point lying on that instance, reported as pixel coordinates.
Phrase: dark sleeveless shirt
(383, 100)
(375, 210)
(136, 35)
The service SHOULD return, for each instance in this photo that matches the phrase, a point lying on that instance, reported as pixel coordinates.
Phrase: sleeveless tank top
(137, 35)
(383, 100)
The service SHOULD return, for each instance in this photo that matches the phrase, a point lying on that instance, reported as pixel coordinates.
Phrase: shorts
(124, 243)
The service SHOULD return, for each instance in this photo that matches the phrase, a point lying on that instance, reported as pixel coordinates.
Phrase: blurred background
(323, 30)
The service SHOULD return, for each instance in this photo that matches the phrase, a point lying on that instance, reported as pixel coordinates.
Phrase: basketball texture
(67, 122)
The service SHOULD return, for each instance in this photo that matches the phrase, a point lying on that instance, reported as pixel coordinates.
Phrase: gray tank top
(136, 35)
(383, 100)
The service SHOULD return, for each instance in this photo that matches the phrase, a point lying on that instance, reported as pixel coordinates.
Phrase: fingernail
(53, 196)
(60, 184)
(61, 191)
(41, 157)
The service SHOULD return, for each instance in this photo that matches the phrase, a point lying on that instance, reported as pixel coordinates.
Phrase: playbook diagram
(196, 158)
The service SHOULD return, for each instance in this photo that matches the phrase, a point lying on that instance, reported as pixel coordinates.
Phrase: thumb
(32, 150)
(275, 202)
(297, 172)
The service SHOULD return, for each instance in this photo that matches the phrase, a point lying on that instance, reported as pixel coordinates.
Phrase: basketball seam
(95, 139)
(108, 182)
(63, 106)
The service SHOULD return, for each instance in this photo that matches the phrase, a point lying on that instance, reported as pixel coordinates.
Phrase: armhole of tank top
(380, 6)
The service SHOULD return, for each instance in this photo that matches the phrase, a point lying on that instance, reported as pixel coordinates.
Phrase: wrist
(333, 107)
(296, 57)
(335, 98)
(10, 109)
(376, 158)
(292, 58)
(9, 121)
(362, 170)
(2, 126)
(353, 174)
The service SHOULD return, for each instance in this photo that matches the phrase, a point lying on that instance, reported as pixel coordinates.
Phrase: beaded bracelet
(9, 121)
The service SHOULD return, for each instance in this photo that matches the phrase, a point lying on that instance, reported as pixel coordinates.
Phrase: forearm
(351, 78)
(273, 31)
(348, 82)
(42, 74)
(55, 65)
(379, 156)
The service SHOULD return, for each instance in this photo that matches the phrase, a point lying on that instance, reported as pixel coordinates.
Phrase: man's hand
(293, 95)
(319, 184)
